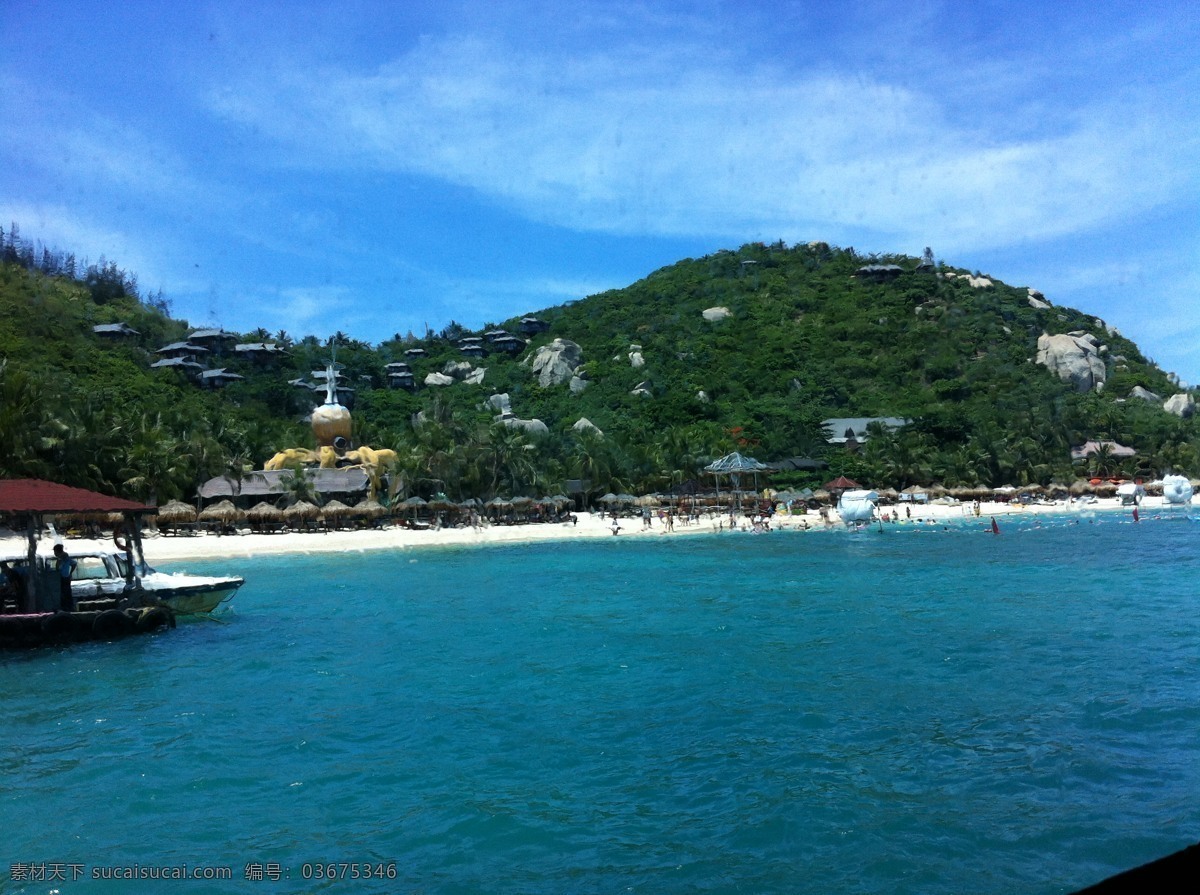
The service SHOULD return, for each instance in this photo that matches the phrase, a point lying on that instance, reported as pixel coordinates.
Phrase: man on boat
(66, 569)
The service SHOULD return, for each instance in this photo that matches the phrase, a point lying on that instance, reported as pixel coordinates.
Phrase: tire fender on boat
(154, 618)
(112, 623)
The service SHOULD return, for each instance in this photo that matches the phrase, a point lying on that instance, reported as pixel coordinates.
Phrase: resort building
(115, 330)
(852, 431)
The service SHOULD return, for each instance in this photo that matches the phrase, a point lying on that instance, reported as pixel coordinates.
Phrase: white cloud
(664, 142)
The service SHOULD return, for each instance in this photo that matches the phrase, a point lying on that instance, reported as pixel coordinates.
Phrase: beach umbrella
(300, 510)
(371, 509)
(176, 511)
(470, 503)
(224, 511)
(498, 503)
(264, 512)
(647, 500)
(335, 509)
(608, 498)
(625, 498)
(822, 495)
(522, 501)
(413, 503)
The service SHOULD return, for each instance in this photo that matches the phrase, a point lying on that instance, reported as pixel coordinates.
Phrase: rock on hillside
(1074, 358)
(555, 363)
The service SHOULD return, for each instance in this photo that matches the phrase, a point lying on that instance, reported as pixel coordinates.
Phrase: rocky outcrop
(642, 389)
(555, 363)
(530, 427)
(974, 282)
(716, 315)
(584, 425)
(457, 369)
(702, 396)
(475, 377)
(439, 379)
(1182, 405)
(578, 384)
(1144, 395)
(1074, 358)
(634, 355)
(500, 403)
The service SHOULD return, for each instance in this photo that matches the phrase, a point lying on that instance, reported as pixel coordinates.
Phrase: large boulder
(578, 384)
(1144, 395)
(583, 424)
(439, 379)
(715, 315)
(475, 377)
(555, 363)
(457, 369)
(500, 403)
(1182, 404)
(1073, 358)
(530, 427)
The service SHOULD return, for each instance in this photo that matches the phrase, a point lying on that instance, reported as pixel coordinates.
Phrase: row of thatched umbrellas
(177, 512)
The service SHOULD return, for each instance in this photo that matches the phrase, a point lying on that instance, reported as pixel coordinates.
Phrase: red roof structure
(37, 496)
(841, 483)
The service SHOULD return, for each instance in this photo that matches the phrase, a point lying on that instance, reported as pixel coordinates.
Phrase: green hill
(804, 334)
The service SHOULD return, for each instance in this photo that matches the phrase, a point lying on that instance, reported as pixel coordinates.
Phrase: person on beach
(66, 569)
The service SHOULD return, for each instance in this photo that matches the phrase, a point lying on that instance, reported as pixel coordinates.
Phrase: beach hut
(735, 466)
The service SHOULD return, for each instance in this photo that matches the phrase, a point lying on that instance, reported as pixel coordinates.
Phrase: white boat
(1130, 493)
(857, 506)
(100, 580)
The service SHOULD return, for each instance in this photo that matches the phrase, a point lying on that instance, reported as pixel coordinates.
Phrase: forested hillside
(792, 336)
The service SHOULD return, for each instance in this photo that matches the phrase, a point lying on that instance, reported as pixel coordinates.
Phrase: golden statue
(331, 426)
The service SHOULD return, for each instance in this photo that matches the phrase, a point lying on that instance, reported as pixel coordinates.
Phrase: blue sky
(376, 167)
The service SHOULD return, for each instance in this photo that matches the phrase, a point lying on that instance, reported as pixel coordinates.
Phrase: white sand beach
(176, 549)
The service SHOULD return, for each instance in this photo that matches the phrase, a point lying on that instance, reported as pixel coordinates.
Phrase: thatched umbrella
(647, 500)
(608, 498)
(301, 511)
(413, 503)
(369, 509)
(334, 510)
(176, 511)
(224, 512)
(264, 512)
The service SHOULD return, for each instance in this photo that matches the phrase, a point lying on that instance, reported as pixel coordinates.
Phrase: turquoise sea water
(922, 710)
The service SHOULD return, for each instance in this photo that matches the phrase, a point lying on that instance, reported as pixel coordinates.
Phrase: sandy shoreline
(173, 550)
